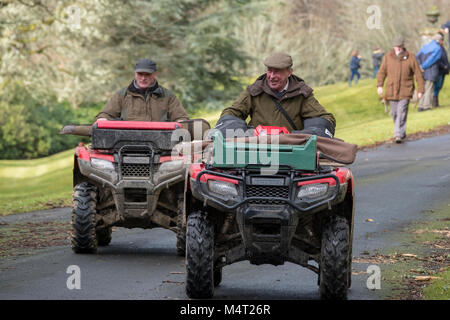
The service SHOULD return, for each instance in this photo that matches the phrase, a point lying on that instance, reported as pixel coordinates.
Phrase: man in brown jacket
(279, 98)
(400, 67)
(144, 99)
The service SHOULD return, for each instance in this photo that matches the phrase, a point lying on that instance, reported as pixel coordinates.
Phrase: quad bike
(126, 178)
(301, 212)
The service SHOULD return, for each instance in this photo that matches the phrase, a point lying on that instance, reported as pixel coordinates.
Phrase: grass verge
(23, 238)
(418, 269)
(29, 185)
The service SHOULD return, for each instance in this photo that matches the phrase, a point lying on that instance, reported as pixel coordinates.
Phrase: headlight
(222, 188)
(171, 165)
(312, 191)
(102, 164)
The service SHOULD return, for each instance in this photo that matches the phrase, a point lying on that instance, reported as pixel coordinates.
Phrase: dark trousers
(354, 73)
(375, 71)
(438, 84)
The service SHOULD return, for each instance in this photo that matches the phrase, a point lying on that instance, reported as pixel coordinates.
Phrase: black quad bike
(300, 212)
(126, 178)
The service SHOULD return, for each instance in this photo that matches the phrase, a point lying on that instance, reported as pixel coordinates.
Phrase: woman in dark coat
(354, 66)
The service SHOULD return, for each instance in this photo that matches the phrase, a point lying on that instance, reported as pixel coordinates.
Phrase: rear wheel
(199, 256)
(335, 259)
(181, 236)
(83, 237)
(217, 276)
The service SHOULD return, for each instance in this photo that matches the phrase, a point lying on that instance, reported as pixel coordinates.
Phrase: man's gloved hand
(231, 126)
(319, 126)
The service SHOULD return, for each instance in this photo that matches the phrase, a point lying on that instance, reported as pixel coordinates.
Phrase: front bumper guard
(207, 197)
(118, 186)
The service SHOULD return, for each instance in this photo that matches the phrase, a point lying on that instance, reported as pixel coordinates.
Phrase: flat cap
(278, 60)
(145, 65)
(398, 41)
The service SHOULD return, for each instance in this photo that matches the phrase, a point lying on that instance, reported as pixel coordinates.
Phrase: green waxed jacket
(157, 105)
(298, 101)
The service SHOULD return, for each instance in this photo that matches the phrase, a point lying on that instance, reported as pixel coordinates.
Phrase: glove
(231, 126)
(319, 126)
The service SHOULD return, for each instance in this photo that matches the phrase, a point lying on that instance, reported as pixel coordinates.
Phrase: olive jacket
(154, 104)
(298, 101)
(400, 72)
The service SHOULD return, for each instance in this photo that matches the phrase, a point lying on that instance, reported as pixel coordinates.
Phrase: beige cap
(398, 41)
(279, 60)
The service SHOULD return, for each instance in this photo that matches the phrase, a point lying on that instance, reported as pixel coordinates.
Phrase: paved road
(394, 185)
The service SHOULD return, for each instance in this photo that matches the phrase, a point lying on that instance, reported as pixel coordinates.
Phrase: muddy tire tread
(334, 263)
(83, 237)
(199, 256)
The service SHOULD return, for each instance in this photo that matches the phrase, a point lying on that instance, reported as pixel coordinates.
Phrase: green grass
(425, 239)
(27, 185)
(42, 183)
(439, 289)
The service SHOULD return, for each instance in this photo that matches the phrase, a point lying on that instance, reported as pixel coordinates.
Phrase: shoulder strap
(281, 109)
(122, 94)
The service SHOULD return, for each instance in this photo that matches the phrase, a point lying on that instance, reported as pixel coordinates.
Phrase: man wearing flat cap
(400, 67)
(280, 98)
(144, 99)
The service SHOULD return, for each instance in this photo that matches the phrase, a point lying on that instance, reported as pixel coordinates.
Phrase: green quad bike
(127, 178)
(301, 213)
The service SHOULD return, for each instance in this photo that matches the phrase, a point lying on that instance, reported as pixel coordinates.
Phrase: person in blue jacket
(444, 68)
(354, 66)
(428, 57)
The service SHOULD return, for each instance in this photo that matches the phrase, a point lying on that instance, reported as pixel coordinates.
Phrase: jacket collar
(295, 88)
(402, 56)
(155, 89)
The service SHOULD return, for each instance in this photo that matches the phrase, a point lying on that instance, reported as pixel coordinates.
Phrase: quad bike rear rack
(231, 154)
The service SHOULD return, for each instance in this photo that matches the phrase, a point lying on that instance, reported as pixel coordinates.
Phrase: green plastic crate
(228, 154)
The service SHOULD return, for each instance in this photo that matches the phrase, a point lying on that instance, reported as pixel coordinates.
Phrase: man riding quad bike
(127, 178)
(269, 199)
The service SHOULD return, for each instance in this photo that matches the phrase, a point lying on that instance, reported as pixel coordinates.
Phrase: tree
(320, 34)
(83, 51)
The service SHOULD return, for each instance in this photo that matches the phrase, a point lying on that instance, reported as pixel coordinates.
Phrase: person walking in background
(354, 66)
(428, 57)
(443, 71)
(377, 57)
(399, 67)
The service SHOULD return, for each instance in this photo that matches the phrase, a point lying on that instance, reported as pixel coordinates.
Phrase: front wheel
(199, 256)
(334, 260)
(83, 237)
